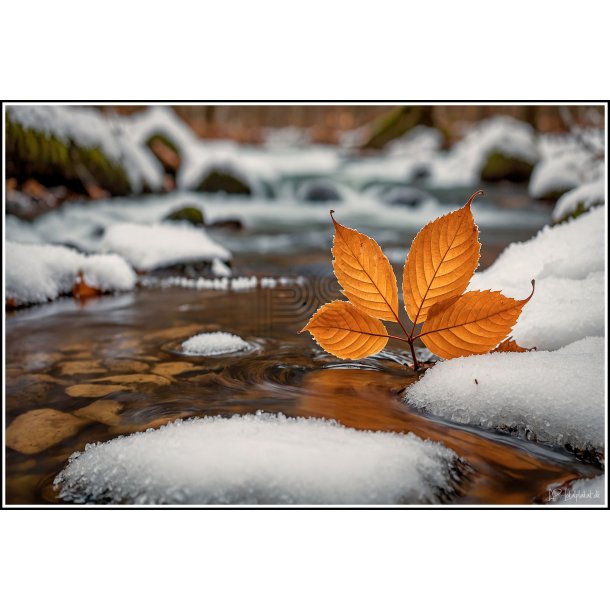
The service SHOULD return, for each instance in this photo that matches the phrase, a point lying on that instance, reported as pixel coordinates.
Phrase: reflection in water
(112, 369)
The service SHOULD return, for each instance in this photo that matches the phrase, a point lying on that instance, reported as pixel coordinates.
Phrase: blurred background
(262, 179)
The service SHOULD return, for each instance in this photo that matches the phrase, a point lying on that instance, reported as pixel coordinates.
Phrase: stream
(59, 355)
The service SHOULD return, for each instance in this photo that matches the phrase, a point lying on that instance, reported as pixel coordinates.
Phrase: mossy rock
(396, 123)
(220, 181)
(30, 153)
(188, 214)
(166, 152)
(499, 166)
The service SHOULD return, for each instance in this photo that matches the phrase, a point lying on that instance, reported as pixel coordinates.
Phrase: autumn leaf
(364, 273)
(473, 323)
(441, 261)
(510, 345)
(345, 331)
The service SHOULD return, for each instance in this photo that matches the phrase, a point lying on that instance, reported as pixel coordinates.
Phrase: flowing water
(90, 371)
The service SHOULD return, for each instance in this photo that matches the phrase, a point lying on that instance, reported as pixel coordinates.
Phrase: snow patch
(39, 273)
(554, 397)
(259, 459)
(161, 245)
(214, 344)
(568, 264)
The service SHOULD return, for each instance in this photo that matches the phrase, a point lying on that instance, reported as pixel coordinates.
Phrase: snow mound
(38, 273)
(568, 264)
(107, 272)
(581, 492)
(20, 231)
(161, 245)
(259, 459)
(553, 397)
(584, 197)
(462, 165)
(214, 344)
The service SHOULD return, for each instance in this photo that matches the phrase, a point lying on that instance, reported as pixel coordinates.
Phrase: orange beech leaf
(510, 345)
(347, 332)
(365, 273)
(441, 261)
(472, 323)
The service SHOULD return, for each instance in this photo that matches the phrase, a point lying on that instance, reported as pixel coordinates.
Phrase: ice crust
(259, 459)
(554, 397)
(214, 344)
(161, 245)
(36, 273)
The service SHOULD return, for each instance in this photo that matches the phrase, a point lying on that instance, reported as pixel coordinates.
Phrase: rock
(125, 365)
(93, 390)
(499, 166)
(189, 214)
(396, 123)
(40, 429)
(171, 369)
(405, 196)
(222, 181)
(81, 367)
(102, 411)
(166, 152)
(319, 192)
(230, 224)
(137, 378)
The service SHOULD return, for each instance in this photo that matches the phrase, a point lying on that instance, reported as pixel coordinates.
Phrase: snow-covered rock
(149, 247)
(567, 261)
(555, 175)
(581, 492)
(554, 397)
(20, 231)
(580, 199)
(464, 163)
(39, 273)
(88, 128)
(214, 344)
(259, 459)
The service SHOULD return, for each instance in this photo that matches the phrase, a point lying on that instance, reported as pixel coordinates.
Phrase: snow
(161, 245)
(219, 268)
(240, 283)
(586, 195)
(553, 397)
(214, 344)
(38, 273)
(462, 165)
(107, 272)
(581, 492)
(557, 174)
(567, 261)
(21, 231)
(259, 459)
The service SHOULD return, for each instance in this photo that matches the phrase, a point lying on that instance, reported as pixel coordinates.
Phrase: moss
(499, 166)
(190, 214)
(30, 153)
(218, 181)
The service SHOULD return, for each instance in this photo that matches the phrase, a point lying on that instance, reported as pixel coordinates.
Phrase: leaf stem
(415, 363)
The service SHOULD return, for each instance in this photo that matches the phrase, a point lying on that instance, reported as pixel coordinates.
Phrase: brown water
(82, 373)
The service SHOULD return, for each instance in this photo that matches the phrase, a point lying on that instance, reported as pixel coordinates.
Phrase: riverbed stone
(102, 411)
(93, 390)
(39, 429)
(81, 367)
(171, 369)
(137, 378)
